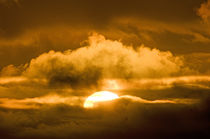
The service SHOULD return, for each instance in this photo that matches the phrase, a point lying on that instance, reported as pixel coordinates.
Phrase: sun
(99, 97)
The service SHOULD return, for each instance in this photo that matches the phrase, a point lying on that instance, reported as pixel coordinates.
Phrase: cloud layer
(123, 118)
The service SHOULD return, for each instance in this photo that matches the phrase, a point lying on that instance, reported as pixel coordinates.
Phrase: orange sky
(154, 55)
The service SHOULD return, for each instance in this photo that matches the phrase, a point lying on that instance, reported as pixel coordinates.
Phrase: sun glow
(99, 97)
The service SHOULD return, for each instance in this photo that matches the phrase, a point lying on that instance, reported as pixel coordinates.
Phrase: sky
(154, 55)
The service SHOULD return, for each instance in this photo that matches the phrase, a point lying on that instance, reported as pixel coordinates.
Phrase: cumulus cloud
(103, 64)
(102, 58)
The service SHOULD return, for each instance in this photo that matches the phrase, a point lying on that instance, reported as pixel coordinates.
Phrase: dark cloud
(124, 119)
(30, 13)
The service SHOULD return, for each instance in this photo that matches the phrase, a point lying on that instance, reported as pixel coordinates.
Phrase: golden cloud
(103, 59)
(157, 83)
(37, 102)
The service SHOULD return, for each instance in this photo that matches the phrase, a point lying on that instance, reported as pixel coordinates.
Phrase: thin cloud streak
(157, 83)
(173, 101)
(37, 102)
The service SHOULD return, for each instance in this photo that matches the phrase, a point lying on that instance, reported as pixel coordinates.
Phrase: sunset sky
(98, 69)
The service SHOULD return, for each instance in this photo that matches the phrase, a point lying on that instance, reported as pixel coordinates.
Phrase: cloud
(88, 13)
(124, 119)
(12, 70)
(37, 102)
(149, 88)
(157, 83)
(103, 64)
(55, 99)
(173, 101)
(103, 58)
(198, 62)
(204, 11)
